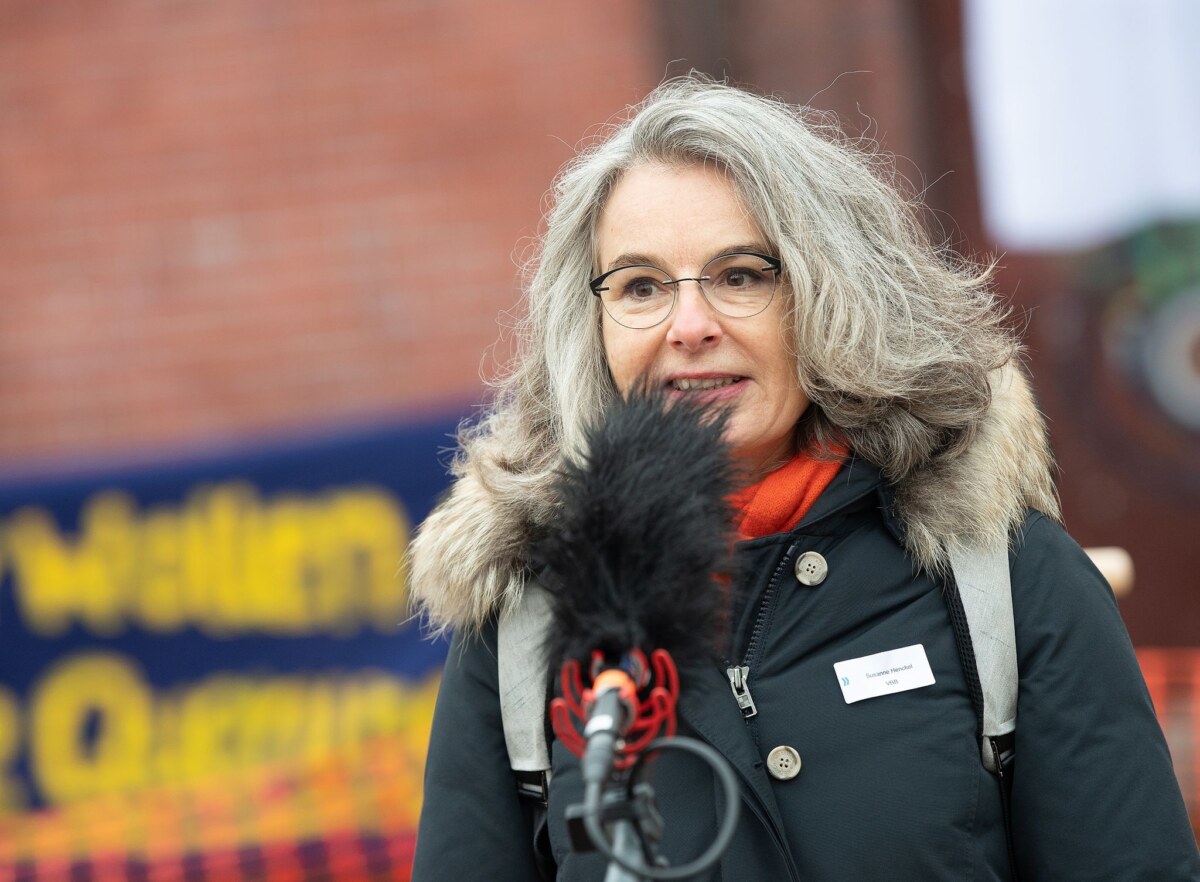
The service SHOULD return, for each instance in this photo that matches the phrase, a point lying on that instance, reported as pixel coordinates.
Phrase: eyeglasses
(736, 285)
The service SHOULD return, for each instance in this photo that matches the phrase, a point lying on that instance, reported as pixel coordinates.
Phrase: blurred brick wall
(224, 218)
(862, 61)
(859, 60)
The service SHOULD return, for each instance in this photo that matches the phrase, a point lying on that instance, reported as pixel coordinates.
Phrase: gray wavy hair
(894, 336)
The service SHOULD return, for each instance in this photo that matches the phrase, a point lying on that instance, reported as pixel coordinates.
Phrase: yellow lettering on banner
(372, 706)
(322, 710)
(289, 543)
(210, 733)
(96, 727)
(12, 792)
(376, 705)
(228, 722)
(157, 601)
(373, 533)
(91, 725)
(58, 582)
(111, 532)
(276, 719)
(230, 528)
(225, 562)
(165, 763)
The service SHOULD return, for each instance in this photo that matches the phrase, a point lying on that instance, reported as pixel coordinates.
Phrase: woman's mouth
(711, 385)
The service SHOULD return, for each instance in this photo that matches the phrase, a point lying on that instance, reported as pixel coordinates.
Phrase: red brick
(216, 216)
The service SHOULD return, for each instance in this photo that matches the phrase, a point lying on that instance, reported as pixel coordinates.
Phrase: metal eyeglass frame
(775, 265)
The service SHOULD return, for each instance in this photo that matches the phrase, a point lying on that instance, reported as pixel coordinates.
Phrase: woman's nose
(694, 323)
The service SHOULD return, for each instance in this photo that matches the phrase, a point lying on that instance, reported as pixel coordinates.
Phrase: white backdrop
(1086, 115)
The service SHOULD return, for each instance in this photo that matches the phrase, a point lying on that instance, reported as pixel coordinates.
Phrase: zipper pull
(738, 679)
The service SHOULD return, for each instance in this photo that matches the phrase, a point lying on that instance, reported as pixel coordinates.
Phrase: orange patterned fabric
(778, 502)
(347, 816)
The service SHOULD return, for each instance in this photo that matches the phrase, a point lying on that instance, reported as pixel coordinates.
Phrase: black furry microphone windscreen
(642, 542)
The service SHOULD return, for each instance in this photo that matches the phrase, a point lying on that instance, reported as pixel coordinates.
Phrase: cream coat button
(811, 569)
(783, 763)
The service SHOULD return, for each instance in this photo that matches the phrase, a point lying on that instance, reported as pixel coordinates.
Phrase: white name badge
(883, 673)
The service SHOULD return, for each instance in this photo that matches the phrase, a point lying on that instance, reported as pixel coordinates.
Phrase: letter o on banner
(91, 723)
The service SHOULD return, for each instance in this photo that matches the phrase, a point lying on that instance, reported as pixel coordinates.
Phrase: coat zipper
(739, 675)
(739, 682)
(741, 690)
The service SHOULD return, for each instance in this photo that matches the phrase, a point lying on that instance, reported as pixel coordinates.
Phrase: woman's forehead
(674, 214)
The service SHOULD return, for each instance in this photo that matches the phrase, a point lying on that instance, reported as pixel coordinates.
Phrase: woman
(877, 410)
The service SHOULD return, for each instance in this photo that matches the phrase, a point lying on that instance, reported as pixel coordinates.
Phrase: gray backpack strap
(985, 589)
(521, 658)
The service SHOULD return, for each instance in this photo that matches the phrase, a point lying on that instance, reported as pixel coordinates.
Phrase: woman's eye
(642, 289)
(740, 277)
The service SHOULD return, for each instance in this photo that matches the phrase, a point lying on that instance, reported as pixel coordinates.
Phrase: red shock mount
(649, 691)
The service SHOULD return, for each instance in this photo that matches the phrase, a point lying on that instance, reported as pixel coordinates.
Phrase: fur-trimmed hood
(468, 560)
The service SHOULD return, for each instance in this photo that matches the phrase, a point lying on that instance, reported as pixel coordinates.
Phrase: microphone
(610, 715)
(635, 561)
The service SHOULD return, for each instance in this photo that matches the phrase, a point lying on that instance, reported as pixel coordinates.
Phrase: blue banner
(168, 623)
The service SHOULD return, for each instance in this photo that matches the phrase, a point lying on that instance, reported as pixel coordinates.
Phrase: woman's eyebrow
(756, 247)
(633, 258)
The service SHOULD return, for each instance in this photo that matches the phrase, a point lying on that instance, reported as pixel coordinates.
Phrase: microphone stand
(628, 821)
(629, 845)
(627, 814)
(626, 848)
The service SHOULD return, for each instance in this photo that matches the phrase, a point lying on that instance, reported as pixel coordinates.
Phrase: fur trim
(979, 496)
(468, 558)
(468, 561)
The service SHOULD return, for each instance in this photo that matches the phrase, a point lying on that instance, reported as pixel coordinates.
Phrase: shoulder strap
(521, 659)
(985, 590)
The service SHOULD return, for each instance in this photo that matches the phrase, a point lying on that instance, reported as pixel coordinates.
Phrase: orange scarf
(778, 502)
